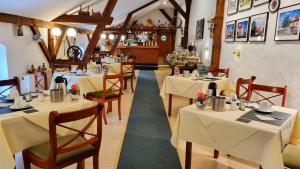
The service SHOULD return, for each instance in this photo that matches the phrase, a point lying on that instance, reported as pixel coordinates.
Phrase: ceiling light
(71, 32)
(56, 31)
(165, 2)
(111, 37)
(103, 36)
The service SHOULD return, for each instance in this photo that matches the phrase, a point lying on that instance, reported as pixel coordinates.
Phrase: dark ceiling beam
(21, 20)
(93, 20)
(99, 29)
(178, 8)
(165, 14)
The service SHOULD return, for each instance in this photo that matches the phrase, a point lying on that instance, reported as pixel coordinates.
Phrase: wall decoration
(163, 37)
(230, 31)
(245, 4)
(258, 27)
(288, 23)
(232, 7)
(274, 5)
(259, 2)
(242, 29)
(200, 28)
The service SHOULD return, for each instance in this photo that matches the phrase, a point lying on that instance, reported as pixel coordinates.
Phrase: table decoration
(200, 100)
(75, 92)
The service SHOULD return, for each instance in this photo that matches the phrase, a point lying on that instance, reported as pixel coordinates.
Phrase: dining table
(21, 129)
(188, 87)
(249, 135)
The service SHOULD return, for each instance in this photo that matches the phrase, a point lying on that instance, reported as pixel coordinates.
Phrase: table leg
(191, 101)
(170, 105)
(216, 154)
(188, 155)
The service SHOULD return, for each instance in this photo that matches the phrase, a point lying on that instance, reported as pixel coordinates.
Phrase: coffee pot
(61, 83)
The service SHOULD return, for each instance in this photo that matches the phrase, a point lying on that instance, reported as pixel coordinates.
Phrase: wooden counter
(143, 54)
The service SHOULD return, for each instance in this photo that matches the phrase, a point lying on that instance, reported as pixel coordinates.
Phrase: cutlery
(277, 118)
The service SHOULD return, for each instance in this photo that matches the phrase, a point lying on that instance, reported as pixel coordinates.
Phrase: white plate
(19, 108)
(264, 111)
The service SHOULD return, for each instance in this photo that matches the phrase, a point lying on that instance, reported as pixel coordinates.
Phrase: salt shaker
(242, 104)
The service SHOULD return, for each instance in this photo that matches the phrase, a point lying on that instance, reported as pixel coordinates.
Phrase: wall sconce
(111, 37)
(103, 36)
(56, 32)
(237, 53)
(71, 32)
(211, 26)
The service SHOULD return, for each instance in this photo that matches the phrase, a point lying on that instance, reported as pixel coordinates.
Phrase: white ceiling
(50, 9)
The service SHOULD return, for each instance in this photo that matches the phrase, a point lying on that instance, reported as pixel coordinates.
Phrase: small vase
(75, 95)
(201, 104)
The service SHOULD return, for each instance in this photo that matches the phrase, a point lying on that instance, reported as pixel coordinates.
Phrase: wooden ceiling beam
(178, 8)
(59, 41)
(94, 19)
(42, 44)
(99, 29)
(21, 20)
(165, 14)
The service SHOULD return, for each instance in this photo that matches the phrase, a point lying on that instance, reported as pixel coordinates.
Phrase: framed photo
(230, 31)
(200, 28)
(242, 30)
(232, 7)
(259, 2)
(258, 27)
(288, 23)
(245, 4)
(274, 5)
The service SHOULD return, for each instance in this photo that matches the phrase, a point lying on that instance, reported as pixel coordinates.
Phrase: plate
(264, 111)
(9, 99)
(19, 108)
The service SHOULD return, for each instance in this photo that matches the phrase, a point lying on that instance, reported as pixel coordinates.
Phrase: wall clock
(274, 6)
(163, 37)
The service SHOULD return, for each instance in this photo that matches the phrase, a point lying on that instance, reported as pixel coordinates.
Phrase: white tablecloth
(19, 130)
(257, 142)
(187, 87)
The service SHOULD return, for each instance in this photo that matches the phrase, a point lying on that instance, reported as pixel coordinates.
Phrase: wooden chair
(112, 90)
(132, 59)
(127, 70)
(279, 91)
(220, 72)
(62, 151)
(41, 80)
(246, 85)
(10, 83)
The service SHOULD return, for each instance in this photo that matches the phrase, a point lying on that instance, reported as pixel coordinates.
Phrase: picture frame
(245, 4)
(259, 2)
(230, 31)
(258, 27)
(274, 5)
(288, 24)
(200, 29)
(242, 30)
(232, 7)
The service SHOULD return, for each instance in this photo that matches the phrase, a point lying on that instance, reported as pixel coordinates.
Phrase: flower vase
(75, 95)
(201, 104)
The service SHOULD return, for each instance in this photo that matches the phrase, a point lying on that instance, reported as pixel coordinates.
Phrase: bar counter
(143, 54)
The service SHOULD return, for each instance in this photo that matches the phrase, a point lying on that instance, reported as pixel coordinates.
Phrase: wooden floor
(113, 134)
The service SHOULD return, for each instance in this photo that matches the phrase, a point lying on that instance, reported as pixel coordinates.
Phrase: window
(3, 63)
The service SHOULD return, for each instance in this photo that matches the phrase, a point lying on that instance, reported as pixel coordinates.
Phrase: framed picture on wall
(258, 27)
(242, 30)
(288, 23)
(259, 2)
(232, 7)
(230, 31)
(200, 28)
(245, 4)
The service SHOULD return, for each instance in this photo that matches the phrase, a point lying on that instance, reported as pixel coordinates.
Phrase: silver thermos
(61, 84)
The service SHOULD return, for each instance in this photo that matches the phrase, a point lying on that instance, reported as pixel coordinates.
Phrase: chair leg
(96, 161)
(104, 115)
(134, 75)
(26, 163)
(216, 154)
(80, 165)
(119, 108)
(109, 106)
(131, 82)
(125, 84)
(260, 167)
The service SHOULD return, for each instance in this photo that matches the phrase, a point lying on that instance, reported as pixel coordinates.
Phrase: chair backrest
(41, 80)
(10, 83)
(279, 91)
(220, 72)
(59, 119)
(244, 84)
(127, 68)
(112, 84)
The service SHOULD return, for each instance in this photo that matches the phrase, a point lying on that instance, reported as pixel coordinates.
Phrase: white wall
(155, 16)
(202, 9)
(274, 63)
(21, 51)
